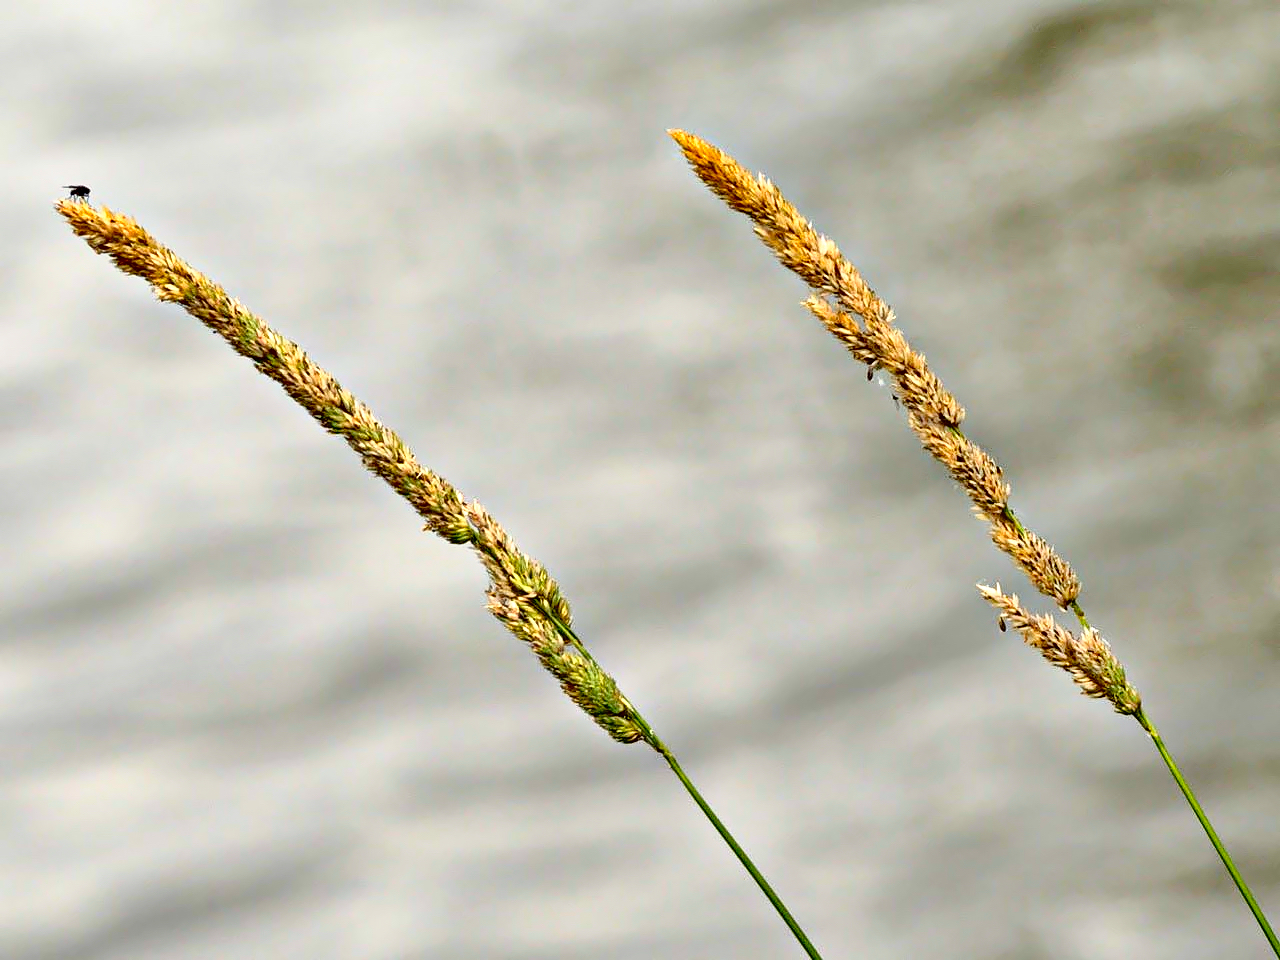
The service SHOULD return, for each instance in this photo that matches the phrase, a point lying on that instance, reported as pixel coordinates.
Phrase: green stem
(1243, 887)
(738, 852)
(652, 739)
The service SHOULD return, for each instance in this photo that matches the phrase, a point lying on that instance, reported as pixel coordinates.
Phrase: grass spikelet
(522, 595)
(933, 414)
(1087, 657)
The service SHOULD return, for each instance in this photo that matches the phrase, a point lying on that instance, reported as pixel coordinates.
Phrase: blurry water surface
(247, 709)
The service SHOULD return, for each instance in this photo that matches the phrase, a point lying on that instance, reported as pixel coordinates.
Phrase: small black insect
(1003, 626)
(78, 190)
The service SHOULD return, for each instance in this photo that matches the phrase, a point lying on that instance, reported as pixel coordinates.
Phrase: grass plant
(857, 317)
(524, 597)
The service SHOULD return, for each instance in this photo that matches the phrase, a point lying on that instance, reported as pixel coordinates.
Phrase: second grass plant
(864, 324)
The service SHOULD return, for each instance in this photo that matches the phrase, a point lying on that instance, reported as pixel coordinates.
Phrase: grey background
(247, 709)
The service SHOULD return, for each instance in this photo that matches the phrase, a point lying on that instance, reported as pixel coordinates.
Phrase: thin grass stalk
(864, 324)
(521, 594)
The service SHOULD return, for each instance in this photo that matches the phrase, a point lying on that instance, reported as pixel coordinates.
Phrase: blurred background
(248, 709)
